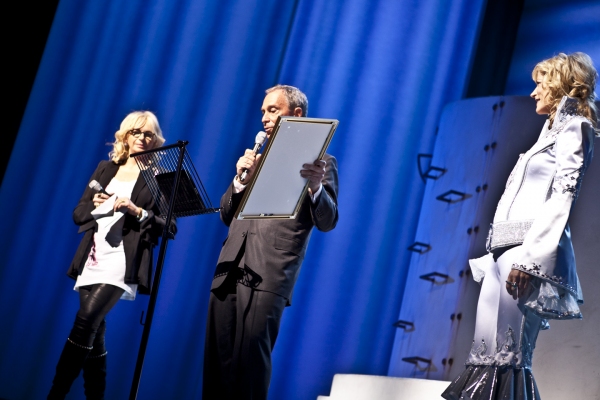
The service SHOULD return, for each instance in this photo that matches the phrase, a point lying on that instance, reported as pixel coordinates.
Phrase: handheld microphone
(97, 187)
(258, 142)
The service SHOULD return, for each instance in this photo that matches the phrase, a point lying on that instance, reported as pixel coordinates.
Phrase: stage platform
(370, 387)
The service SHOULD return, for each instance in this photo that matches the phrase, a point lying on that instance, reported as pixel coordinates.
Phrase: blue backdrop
(548, 27)
(385, 69)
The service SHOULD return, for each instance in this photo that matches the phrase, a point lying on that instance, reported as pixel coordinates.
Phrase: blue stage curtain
(385, 69)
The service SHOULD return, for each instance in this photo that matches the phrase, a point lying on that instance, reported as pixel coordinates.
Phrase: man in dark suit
(258, 267)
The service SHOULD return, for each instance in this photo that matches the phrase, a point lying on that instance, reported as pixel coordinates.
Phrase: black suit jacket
(274, 249)
(139, 238)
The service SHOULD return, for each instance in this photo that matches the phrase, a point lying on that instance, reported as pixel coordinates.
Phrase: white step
(371, 387)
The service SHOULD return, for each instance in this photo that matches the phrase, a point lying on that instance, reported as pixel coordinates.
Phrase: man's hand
(517, 284)
(248, 161)
(314, 173)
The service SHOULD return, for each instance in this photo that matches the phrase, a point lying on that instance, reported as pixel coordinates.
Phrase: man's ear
(298, 112)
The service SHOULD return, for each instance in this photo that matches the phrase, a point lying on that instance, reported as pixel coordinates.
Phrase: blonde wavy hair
(134, 120)
(570, 75)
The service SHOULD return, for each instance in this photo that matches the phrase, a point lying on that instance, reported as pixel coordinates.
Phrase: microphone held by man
(258, 142)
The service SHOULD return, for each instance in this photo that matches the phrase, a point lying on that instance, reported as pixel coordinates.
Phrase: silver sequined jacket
(534, 210)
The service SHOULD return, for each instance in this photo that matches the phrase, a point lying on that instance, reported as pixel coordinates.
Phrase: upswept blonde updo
(570, 75)
(134, 120)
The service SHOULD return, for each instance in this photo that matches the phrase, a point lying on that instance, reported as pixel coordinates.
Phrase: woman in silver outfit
(529, 275)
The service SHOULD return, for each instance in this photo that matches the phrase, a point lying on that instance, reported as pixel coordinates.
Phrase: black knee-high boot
(68, 367)
(94, 368)
(94, 377)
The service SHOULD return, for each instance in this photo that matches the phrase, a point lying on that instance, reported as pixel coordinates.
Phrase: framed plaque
(277, 189)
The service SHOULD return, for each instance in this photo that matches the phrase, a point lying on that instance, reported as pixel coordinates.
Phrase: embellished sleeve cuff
(552, 302)
(537, 271)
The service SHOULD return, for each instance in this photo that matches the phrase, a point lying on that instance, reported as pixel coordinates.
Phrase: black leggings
(95, 301)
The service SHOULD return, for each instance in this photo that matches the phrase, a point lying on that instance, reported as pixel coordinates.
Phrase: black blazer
(139, 238)
(273, 250)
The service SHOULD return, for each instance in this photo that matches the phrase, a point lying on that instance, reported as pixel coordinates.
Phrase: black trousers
(95, 302)
(242, 326)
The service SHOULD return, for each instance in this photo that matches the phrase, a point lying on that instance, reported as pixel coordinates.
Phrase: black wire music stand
(168, 170)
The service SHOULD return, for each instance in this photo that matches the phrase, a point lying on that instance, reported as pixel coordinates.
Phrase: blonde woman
(525, 284)
(114, 259)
